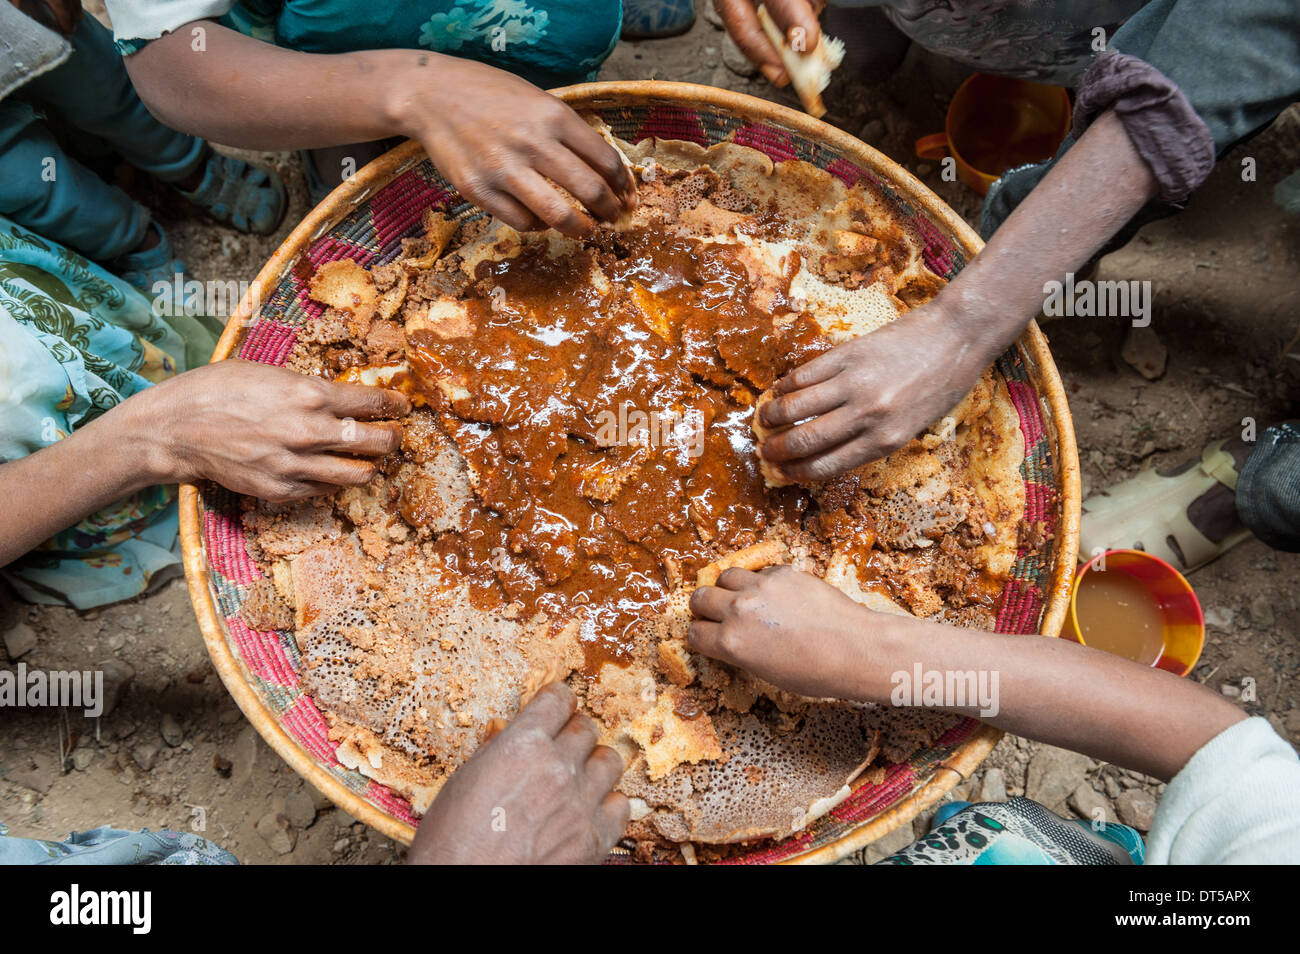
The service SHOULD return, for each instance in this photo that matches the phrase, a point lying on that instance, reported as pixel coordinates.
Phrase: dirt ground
(176, 752)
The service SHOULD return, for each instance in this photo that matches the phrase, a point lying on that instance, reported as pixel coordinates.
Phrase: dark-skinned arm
(210, 423)
(493, 135)
(802, 634)
(870, 396)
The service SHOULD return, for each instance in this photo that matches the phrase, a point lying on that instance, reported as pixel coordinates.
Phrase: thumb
(797, 21)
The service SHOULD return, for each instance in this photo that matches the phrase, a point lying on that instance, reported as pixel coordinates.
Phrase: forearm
(243, 92)
(1059, 692)
(59, 485)
(1089, 195)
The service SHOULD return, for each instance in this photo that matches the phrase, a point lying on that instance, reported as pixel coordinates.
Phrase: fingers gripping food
(809, 70)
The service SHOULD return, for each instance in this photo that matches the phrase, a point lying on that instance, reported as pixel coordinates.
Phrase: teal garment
(1019, 832)
(75, 341)
(547, 42)
(113, 846)
(88, 97)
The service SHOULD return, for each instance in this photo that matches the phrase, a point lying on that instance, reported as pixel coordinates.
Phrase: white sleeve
(150, 19)
(1236, 802)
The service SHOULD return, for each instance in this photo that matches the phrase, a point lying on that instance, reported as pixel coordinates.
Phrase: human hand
(264, 431)
(497, 139)
(788, 628)
(540, 792)
(866, 398)
(741, 20)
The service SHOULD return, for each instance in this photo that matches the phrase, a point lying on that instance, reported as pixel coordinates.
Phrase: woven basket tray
(366, 218)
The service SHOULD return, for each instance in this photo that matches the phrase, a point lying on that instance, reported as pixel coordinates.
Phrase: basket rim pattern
(1030, 350)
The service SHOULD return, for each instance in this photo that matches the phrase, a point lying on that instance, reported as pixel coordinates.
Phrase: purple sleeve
(1162, 125)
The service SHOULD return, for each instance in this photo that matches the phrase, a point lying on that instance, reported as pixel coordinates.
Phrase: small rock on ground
(1091, 805)
(873, 132)
(1219, 617)
(171, 730)
(993, 787)
(146, 756)
(117, 677)
(37, 772)
(299, 809)
(1136, 808)
(1144, 353)
(19, 640)
(277, 833)
(1053, 774)
(1261, 612)
(244, 753)
(321, 803)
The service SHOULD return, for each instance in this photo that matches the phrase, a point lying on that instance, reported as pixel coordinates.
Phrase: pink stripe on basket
(262, 653)
(303, 721)
(390, 802)
(224, 539)
(1020, 607)
(672, 122)
(1031, 421)
(269, 342)
(327, 248)
(938, 250)
(1038, 501)
(795, 844)
(1021, 603)
(869, 800)
(775, 144)
(399, 205)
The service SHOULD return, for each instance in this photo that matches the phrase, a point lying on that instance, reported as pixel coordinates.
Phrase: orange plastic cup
(1182, 622)
(995, 123)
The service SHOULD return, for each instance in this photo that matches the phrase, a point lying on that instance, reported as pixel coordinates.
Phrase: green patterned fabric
(75, 341)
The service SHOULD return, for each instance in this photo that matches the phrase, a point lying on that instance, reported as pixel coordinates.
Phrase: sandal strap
(222, 186)
(1219, 464)
(233, 192)
(144, 269)
(1196, 548)
(1148, 509)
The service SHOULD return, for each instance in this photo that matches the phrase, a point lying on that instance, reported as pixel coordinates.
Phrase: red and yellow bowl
(995, 123)
(1182, 620)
